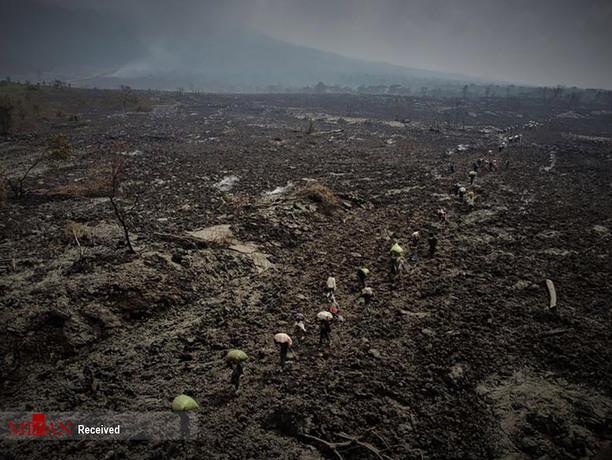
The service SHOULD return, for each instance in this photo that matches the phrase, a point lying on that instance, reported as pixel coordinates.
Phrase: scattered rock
(601, 230)
(216, 234)
(549, 234)
(375, 353)
(520, 285)
(415, 314)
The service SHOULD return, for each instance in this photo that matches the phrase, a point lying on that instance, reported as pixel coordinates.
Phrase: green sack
(183, 403)
(397, 250)
(236, 356)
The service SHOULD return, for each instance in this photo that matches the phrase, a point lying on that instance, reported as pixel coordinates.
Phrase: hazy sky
(544, 42)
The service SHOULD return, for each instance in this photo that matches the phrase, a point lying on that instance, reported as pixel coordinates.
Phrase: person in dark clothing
(367, 295)
(284, 350)
(299, 329)
(415, 239)
(433, 243)
(442, 214)
(362, 275)
(461, 194)
(236, 374)
(397, 259)
(325, 332)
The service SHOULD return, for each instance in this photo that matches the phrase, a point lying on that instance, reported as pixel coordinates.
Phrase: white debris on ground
(133, 153)
(459, 149)
(280, 189)
(226, 184)
(328, 118)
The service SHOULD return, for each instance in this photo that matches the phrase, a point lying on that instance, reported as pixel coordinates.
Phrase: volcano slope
(243, 213)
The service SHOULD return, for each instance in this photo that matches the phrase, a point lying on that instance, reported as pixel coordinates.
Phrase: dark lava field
(239, 207)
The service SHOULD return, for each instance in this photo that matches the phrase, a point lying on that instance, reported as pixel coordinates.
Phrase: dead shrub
(79, 234)
(57, 150)
(318, 193)
(74, 230)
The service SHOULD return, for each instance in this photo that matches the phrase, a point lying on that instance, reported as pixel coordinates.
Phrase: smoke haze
(548, 42)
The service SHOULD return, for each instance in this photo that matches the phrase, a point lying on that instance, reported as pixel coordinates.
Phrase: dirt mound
(542, 415)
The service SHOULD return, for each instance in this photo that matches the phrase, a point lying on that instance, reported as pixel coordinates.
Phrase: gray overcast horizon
(543, 42)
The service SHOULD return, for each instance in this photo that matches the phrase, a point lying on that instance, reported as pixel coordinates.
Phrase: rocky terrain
(239, 210)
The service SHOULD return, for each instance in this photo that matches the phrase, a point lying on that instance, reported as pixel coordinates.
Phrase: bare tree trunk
(123, 222)
(17, 187)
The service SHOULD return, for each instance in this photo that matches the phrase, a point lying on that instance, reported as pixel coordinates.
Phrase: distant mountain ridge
(95, 48)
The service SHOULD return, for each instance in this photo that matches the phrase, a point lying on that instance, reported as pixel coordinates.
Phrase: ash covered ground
(244, 208)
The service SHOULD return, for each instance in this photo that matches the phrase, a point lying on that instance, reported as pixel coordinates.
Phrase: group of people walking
(331, 313)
